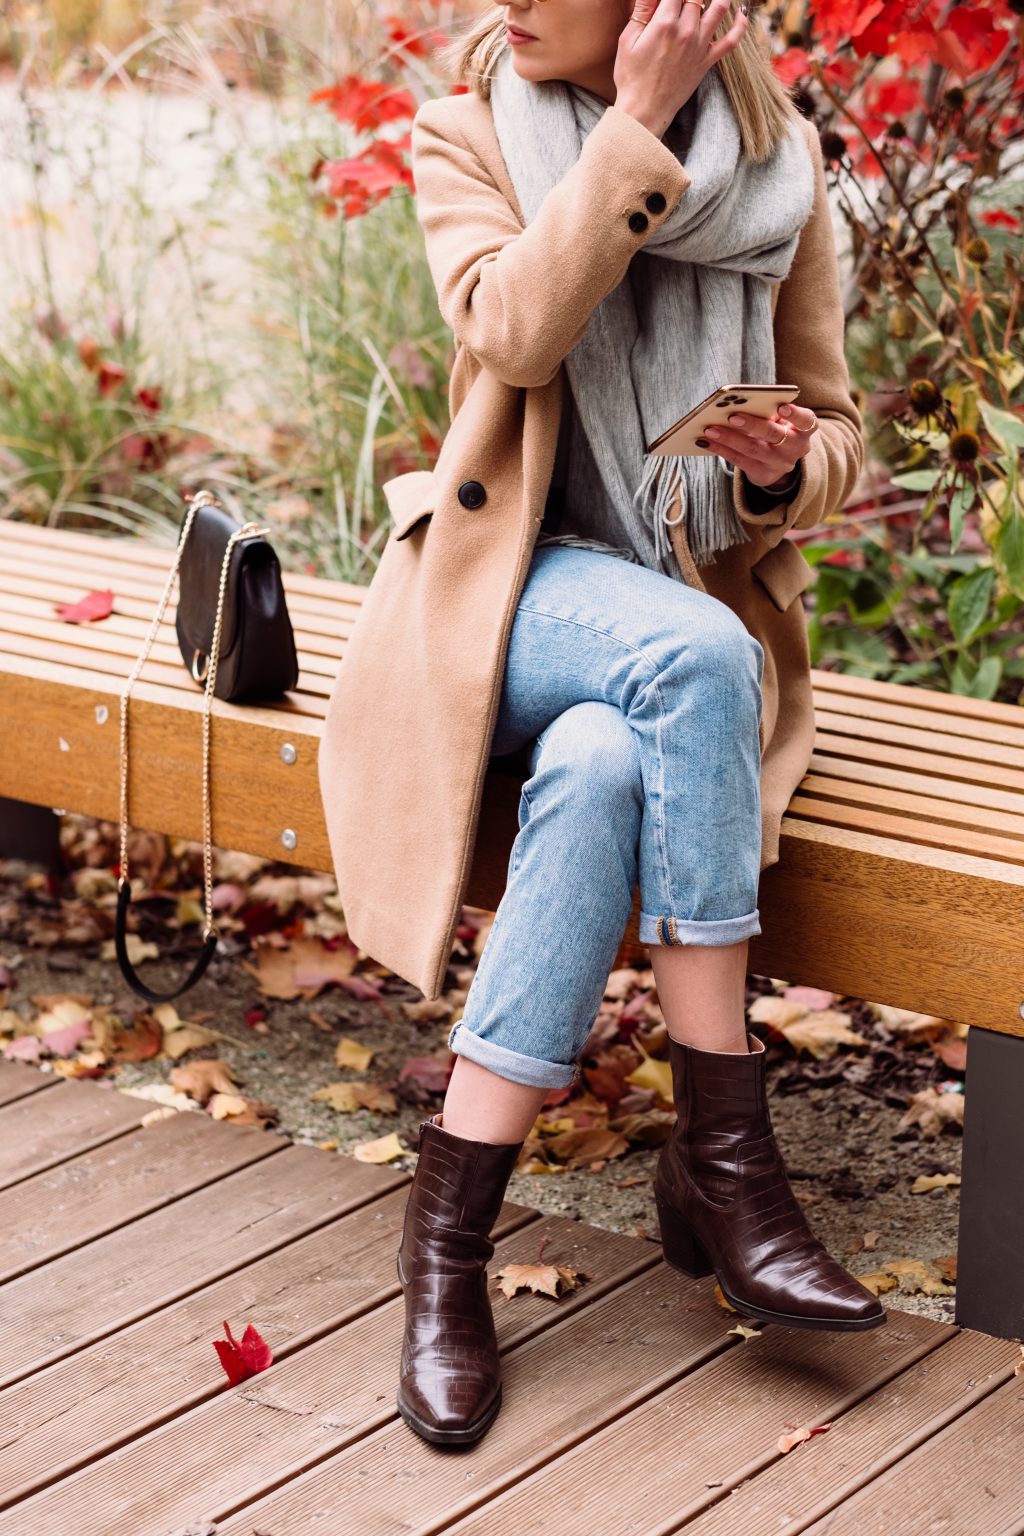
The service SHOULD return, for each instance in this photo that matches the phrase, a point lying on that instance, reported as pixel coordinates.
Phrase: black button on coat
(472, 493)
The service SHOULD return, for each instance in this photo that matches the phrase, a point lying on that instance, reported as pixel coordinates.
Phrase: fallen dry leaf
(348, 1097)
(138, 949)
(933, 1111)
(541, 1279)
(302, 969)
(381, 1150)
(745, 1332)
(821, 1034)
(798, 1436)
(926, 1181)
(201, 1079)
(919, 1276)
(349, 1053)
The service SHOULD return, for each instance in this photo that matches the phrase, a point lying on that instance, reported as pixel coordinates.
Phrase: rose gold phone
(753, 399)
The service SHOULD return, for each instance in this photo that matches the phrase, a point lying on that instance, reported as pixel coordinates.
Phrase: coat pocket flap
(784, 572)
(410, 497)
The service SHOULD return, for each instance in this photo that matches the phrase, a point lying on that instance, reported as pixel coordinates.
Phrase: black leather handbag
(236, 639)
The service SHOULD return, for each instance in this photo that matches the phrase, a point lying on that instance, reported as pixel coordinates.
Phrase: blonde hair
(763, 106)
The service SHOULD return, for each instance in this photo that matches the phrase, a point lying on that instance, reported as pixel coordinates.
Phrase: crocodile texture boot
(450, 1374)
(726, 1207)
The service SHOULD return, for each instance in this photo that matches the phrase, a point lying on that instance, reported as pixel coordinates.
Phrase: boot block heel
(681, 1246)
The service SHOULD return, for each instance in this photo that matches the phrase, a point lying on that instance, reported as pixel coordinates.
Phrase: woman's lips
(515, 36)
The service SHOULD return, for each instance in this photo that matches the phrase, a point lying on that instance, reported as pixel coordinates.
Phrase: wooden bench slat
(861, 776)
(143, 553)
(840, 706)
(171, 676)
(134, 628)
(928, 764)
(934, 739)
(293, 707)
(64, 586)
(872, 690)
(929, 834)
(966, 809)
(83, 638)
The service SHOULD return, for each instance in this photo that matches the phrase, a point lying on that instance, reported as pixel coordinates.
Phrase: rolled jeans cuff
(534, 1071)
(676, 930)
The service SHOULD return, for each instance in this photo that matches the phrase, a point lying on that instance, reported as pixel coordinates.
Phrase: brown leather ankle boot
(450, 1374)
(726, 1207)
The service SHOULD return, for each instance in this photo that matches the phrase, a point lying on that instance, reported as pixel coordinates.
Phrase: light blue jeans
(640, 701)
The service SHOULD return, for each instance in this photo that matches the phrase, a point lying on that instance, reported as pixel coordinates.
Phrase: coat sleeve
(519, 298)
(809, 329)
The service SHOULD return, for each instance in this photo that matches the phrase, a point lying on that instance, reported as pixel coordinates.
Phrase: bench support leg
(29, 832)
(990, 1265)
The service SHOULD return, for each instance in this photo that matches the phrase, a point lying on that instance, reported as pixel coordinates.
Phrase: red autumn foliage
(95, 605)
(244, 1358)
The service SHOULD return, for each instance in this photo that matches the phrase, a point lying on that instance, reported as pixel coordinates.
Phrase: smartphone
(685, 437)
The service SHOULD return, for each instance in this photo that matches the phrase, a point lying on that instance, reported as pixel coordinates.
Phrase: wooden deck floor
(629, 1410)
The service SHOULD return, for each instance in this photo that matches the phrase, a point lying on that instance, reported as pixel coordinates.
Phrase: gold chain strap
(246, 531)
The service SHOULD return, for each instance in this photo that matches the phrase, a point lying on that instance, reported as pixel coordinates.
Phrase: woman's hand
(665, 51)
(766, 449)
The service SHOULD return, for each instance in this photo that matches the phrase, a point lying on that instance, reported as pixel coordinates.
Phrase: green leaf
(1007, 429)
(968, 602)
(1010, 547)
(982, 683)
(960, 503)
(916, 479)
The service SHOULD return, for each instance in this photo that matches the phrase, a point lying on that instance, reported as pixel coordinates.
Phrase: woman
(624, 213)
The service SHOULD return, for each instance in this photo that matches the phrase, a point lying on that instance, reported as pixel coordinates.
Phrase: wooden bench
(902, 871)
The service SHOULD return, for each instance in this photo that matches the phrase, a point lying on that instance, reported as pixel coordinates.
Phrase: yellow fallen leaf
(225, 1106)
(348, 1097)
(804, 1432)
(381, 1150)
(349, 1053)
(1020, 1363)
(745, 1332)
(926, 1181)
(919, 1276)
(137, 950)
(720, 1298)
(878, 1280)
(653, 1074)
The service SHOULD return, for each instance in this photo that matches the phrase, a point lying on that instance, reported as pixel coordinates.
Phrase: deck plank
(698, 1414)
(968, 1480)
(96, 1192)
(807, 1483)
(318, 1399)
(94, 1401)
(18, 1080)
(156, 1259)
(40, 1131)
(630, 1409)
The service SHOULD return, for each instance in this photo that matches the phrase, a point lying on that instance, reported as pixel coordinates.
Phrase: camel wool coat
(410, 719)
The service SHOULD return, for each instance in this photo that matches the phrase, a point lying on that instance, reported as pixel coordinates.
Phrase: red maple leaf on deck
(243, 1359)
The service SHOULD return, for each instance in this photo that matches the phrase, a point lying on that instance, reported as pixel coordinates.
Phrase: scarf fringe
(711, 520)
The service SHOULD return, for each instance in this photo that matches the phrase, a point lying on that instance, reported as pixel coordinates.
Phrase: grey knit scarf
(676, 329)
